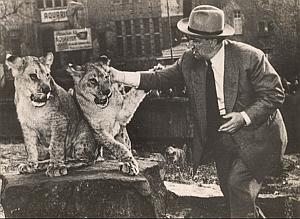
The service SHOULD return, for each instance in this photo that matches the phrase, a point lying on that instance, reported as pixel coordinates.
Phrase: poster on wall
(72, 39)
(175, 8)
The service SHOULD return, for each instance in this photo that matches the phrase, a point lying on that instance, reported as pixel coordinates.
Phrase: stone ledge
(206, 201)
(95, 191)
(193, 190)
(280, 195)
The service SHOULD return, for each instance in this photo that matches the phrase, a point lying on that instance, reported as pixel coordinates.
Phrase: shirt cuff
(132, 78)
(246, 118)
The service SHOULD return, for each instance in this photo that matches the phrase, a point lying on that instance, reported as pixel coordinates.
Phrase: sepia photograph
(149, 109)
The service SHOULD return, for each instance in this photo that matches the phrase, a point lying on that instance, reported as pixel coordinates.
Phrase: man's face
(203, 48)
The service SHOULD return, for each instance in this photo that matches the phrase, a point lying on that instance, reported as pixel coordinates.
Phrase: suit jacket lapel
(231, 77)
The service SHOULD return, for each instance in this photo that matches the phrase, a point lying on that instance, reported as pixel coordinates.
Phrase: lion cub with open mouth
(52, 126)
(106, 109)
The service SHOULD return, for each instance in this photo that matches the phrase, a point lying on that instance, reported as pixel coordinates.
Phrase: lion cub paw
(27, 168)
(56, 170)
(130, 167)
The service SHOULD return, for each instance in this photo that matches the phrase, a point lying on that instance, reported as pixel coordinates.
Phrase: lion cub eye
(33, 76)
(93, 81)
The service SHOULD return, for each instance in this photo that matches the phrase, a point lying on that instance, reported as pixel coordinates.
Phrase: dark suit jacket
(250, 84)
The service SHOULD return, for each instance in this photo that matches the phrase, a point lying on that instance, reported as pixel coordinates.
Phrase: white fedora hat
(205, 21)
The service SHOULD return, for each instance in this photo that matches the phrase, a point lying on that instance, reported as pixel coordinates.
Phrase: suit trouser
(239, 187)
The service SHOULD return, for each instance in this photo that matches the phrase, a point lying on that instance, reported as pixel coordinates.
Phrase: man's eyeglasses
(198, 40)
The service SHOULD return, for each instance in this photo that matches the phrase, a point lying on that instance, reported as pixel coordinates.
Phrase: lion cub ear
(76, 74)
(15, 64)
(47, 60)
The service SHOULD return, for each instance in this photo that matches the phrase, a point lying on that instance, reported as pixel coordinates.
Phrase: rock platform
(100, 190)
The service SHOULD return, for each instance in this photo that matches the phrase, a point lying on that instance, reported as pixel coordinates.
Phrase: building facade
(134, 32)
(128, 31)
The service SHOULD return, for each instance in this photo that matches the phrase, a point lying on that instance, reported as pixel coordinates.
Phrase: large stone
(186, 201)
(100, 190)
(207, 201)
(193, 201)
(279, 197)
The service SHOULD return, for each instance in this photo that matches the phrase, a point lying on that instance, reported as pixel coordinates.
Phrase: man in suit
(234, 95)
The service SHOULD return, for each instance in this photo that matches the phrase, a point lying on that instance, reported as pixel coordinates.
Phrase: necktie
(212, 109)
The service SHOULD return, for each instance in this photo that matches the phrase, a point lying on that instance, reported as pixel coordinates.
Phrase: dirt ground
(13, 154)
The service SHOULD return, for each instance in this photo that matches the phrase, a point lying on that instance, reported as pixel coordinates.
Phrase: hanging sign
(56, 15)
(73, 39)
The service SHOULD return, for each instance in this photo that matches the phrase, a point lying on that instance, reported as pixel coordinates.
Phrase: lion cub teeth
(36, 104)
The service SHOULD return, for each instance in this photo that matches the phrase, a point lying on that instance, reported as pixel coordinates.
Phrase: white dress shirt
(218, 63)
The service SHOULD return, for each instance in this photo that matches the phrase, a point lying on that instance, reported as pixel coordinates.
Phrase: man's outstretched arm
(146, 80)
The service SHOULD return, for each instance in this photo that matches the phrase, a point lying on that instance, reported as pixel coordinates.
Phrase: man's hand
(236, 121)
(116, 75)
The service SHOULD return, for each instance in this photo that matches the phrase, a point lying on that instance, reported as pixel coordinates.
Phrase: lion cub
(176, 156)
(52, 126)
(106, 109)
